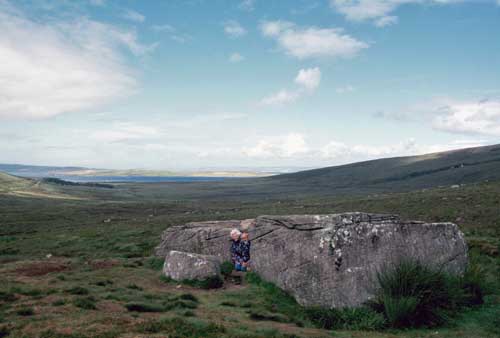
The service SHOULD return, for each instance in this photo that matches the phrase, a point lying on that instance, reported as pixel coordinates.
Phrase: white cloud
(292, 144)
(236, 57)
(280, 98)
(248, 5)
(56, 67)
(172, 32)
(312, 42)
(340, 153)
(133, 16)
(124, 132)
(309, 78)
(481, 118)
(307, 81)
(163, 28)
(386, 21)
(345, 89)
(233, 29)
(377, 10)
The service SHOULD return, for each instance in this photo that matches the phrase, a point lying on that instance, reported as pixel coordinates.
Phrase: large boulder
(185, 265)
(327, 260)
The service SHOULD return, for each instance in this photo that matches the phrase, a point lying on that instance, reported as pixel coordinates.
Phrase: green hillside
(401, 173)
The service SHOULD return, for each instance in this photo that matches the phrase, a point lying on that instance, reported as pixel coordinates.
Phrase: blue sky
(253, 84)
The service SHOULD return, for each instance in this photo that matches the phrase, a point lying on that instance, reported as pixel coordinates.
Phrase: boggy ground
(83, 268)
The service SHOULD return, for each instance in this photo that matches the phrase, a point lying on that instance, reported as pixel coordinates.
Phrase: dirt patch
(103, 263)
(41, 268)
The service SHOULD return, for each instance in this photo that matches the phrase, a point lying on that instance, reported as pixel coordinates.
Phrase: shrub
(179, 327)
(4, 331)
(87, 303)
(155, 263)
(104, 282)
(134, 287)
(226, 268)
(144, 307)
(274, 317)
(58, 302)
(25, 311)
(474, 284)
(361, 318)
(189, 296)
(78, 290)
(414, 295)
(27, 291)
(214, 282)
(7, 297)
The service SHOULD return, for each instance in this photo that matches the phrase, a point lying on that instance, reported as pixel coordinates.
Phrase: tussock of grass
(7, 297)
(179, 327)
(345, 319)
(226, 268)
(412, 294)
(155, 263)
(32, 292)
(214, 282)
(134, 287)
(274, 317)
(78, 290)
(59, 302)
(87, 303)
(27, 311)
(144, 307)
(189, 296)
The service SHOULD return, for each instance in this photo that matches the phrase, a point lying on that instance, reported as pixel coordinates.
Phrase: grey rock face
(184, 265)
(327, 260)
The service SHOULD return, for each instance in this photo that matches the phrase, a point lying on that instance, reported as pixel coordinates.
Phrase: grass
(25, 311)
(74, 231)
(411, 294)
(144, 307)
(179, 327)
(86, 303)
(214, 282)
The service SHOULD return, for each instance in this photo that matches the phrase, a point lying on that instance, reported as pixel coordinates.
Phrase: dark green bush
(179, 327)
(27, 311)
(144, 307)
(134, 287)
(27, 291)
(58, 302)
(474, 284)
(87, 303)
(7, 297)
(189, 296)
(347, 319)
(4, 331)
(412, 294)
(78, 290)
(226, 268)
(214, 282)
(155, 263)
(274, 317)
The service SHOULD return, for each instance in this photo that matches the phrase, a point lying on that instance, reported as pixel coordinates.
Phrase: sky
(196, 84)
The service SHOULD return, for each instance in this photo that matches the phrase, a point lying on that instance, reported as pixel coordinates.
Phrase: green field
(77, 261)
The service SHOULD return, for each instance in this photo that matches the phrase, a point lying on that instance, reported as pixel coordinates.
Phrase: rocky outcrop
(326, 260)
(189, 266)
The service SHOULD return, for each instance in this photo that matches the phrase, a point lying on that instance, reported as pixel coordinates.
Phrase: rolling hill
(462, 166)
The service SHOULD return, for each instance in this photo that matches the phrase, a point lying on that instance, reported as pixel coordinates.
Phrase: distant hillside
(401, 173)
(69, 173)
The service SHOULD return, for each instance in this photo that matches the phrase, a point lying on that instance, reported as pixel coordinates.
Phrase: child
(245, 250)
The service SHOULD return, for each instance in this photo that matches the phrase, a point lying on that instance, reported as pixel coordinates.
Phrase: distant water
(141, 179)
